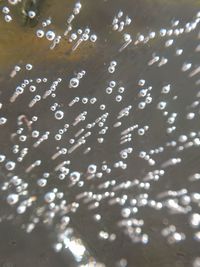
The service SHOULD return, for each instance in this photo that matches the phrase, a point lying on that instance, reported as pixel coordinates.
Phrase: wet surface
(157, 191)
(17, 250)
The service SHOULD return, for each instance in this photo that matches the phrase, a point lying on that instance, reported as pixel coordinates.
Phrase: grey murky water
(105, 204)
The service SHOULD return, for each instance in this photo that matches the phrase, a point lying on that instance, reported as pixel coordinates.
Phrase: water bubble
(8, 18)
(49, 197)
(111, 69)
(190, 116)
(10, 165)
(93, 38)
(21, 209)
(12, 199)
(92, 168)
(163, 32)
(118, 98)
(74, 82)
(31, 14)
(109, 90)
(50, 35)
(42, 182)
(75, 176)
(5, 10)
(3, 120)
(195, 220)
(169, 42)
(73, 36)
(161, 105)
(127, 37)
(59, 115)
(141, 82)
(29, 66)
(40, 33)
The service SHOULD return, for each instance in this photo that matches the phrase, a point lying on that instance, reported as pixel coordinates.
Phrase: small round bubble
(59, 114)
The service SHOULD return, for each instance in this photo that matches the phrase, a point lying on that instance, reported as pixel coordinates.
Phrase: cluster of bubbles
(75, 175)
(73, 36)
(7, 10)
(118, 22)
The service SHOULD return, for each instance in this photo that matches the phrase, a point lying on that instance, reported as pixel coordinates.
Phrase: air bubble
(50, 35)
(12, 199)
(3, 120)
(29, 66)
(40, 33)
(31, 14)
(109, 90)
(74, 82)
(93, 38)
(10, 165)
(49, 197)
(8, 18)
(59, 115)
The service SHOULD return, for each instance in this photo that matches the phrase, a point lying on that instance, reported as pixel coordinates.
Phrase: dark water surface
(114, 240)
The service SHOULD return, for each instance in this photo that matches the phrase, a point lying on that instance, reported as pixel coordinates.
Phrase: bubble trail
(105, 155)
